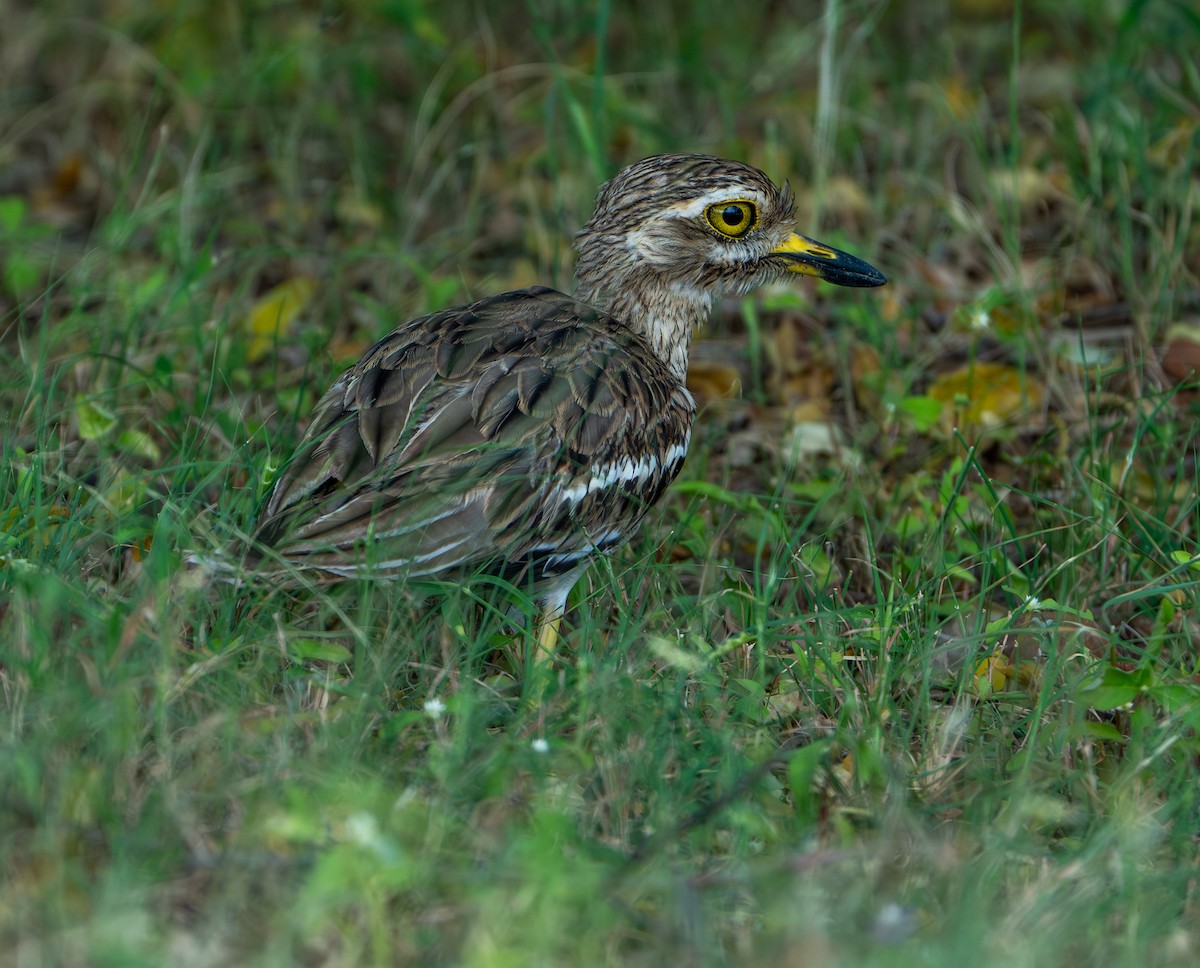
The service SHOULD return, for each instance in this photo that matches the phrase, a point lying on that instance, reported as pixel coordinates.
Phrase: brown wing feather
(506, 434)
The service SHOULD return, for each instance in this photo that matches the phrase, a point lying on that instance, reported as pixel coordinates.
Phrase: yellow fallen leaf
(714, 381)
(844, 196)
(1031, 187)
(984, 395)
(126, 491)
(960, 97)
(992, 675)
(1173, 149)
(357, 211)
(273, 313)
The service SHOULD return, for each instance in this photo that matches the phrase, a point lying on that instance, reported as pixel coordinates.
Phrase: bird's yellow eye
(732, 219)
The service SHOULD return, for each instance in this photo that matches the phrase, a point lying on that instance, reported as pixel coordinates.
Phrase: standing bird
(524, 434)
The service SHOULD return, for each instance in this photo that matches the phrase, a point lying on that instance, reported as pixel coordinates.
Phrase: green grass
(887, 680)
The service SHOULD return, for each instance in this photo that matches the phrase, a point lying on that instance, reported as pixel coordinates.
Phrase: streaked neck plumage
(664, 313)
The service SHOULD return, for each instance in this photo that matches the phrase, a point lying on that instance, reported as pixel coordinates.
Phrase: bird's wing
(526, 429)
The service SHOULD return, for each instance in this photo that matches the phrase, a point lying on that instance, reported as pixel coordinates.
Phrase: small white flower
(362, 829)
(434, 707)
(893, 923)
(540, 745)
(1033, 603)
(981, 320)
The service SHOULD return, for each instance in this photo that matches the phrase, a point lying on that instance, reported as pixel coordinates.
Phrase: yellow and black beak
(811, 258)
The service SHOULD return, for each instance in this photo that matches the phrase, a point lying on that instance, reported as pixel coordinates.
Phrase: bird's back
(519, 435)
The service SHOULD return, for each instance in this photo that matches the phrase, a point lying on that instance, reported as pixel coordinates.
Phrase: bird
(525, 434)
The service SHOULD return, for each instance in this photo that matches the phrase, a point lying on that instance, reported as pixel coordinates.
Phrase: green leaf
(140, 444)
(21, 275)
(314, 649)
(801, 772)
(94, 420)
(669, 651)
(146, 291)
(1178, 697)
(752, 687)
(12, 213)
(267, 478)
(1117, 688)
(954, 570)
(911, 524)
(1098, 731)
(779, 300)
(924, 411)
(1182, 557)
(820, 567)
(1165, 616)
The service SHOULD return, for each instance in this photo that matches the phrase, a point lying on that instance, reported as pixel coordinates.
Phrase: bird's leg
(553, 603)
(539, 669)
(547, 637)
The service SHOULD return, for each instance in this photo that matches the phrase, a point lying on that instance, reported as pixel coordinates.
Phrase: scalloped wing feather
(509, 434)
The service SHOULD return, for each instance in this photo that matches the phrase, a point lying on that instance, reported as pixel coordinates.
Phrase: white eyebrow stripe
(694, 207)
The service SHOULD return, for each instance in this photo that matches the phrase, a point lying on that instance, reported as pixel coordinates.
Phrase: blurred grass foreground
(902, 672)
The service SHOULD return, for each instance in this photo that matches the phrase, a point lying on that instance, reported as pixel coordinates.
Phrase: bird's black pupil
(732, 215)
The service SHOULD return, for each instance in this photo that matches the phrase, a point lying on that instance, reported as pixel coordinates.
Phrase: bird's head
(701, 226)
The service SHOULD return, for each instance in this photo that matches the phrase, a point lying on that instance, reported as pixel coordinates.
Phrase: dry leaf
(1032, 188)
(867, 376)
(961, 99)
(984, 395)
(714, 381)
(273, 314)
(843, 196)
(1181, 358)
(1174, 149)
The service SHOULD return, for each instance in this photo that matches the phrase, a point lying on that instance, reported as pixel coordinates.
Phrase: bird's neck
(665, 314)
